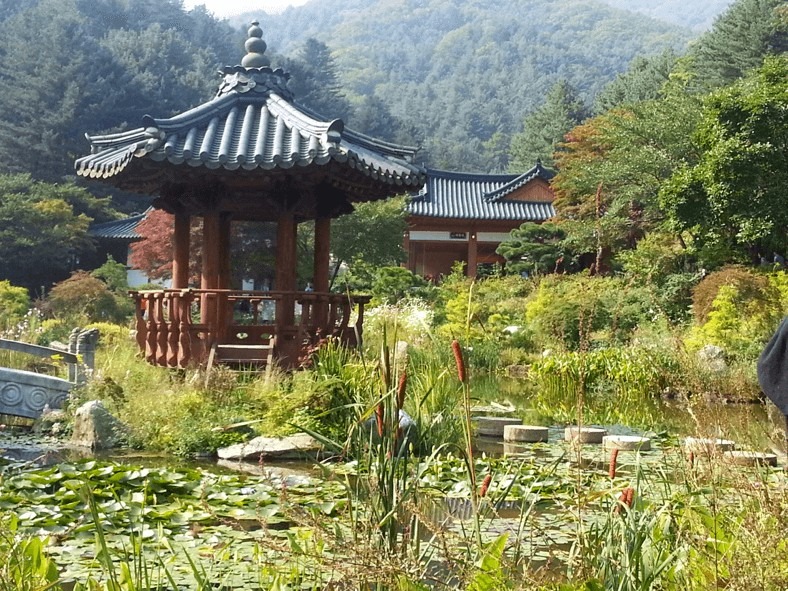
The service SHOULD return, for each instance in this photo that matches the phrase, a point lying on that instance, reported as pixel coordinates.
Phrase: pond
(307, 525)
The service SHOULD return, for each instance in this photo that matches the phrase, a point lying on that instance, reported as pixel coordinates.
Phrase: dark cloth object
(773, 368)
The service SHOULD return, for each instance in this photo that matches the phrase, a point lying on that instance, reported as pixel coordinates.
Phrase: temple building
(463, 217)
(252, 153)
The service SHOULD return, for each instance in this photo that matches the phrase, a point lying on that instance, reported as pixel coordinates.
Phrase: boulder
(50, 422)
(406, 423)
(96, 428)
(293, 447)
(712, 358)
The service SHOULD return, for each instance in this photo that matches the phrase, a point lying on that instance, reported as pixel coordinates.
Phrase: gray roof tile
(250, 125)
(125, 229)
(479, 196)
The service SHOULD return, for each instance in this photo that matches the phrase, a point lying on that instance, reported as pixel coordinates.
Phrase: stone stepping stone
(584, 434)
(626, 442)
(494, 426)
(750, 458)
(525, 433)
(708, 446)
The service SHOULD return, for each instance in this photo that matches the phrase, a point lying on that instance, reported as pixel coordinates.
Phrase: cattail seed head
(613, 463)
(455, 347)
(401, 387)
(625, 499)
(485, 485)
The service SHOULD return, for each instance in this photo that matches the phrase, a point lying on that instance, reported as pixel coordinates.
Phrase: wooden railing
(177, 328)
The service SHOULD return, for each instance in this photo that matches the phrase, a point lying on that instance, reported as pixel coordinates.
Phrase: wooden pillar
(322, 254)
(285, 267)
(224, 278)
(210, 264)
(472, 254)
(180, 254)
(410, 264)
(321, 269)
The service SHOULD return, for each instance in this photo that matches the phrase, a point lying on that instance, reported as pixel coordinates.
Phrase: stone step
(584, 434)
(750, 458)
(525, 433)
(494, 426)
(626, 442)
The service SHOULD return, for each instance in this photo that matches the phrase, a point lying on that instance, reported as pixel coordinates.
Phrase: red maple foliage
(153, 254)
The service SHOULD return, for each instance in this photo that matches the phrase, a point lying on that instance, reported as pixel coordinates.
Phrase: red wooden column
(180, 255)
(210, 264)
(285, 267)
(224, 278)
(472, 254)
(321, 267)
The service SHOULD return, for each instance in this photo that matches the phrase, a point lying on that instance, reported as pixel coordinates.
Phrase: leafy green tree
(535, 248)
(43, 229)
(612, 167)
(372, 234)
(113, 274)
(393, 284)
(735, 194)
(545, 128)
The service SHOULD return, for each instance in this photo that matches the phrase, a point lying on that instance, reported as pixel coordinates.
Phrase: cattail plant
(459, 360)
(613, 463)
(625, 499)
(401, 387)
(485, 486)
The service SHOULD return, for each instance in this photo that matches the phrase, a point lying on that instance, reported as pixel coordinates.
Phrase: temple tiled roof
(125, 229)
(461, 195)
(252, 123)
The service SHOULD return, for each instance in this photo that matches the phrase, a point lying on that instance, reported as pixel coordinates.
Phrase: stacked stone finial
(255, 48)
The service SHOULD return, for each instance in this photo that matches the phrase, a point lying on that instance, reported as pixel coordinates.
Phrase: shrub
(111, 334)
(576, 311)
(14, 304)
(83, 298)
(739, 322)
(482, 309)
(393, 284)
(749, 285)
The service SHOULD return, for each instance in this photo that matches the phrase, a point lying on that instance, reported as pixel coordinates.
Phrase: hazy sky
(224, 8)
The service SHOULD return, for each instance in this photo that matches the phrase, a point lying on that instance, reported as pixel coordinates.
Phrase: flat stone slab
(708, 446)
(750, 458)
(294, 447)
(494, 426)
(525, 433)
(584, 434)
(626, 442)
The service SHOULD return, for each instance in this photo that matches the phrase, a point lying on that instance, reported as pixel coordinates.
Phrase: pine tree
(545, 128)
(739, 41)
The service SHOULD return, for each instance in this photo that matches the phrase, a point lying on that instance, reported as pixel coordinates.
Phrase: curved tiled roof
(479, 196)
(250, 124)
(125, 229)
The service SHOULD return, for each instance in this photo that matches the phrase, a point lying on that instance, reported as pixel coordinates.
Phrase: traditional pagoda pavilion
(250, 154)
(463, 217)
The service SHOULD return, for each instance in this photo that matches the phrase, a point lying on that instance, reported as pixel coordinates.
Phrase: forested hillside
(696, 14)
(460, 75)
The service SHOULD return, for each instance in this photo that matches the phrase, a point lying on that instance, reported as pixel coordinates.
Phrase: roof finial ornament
(255, 48)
